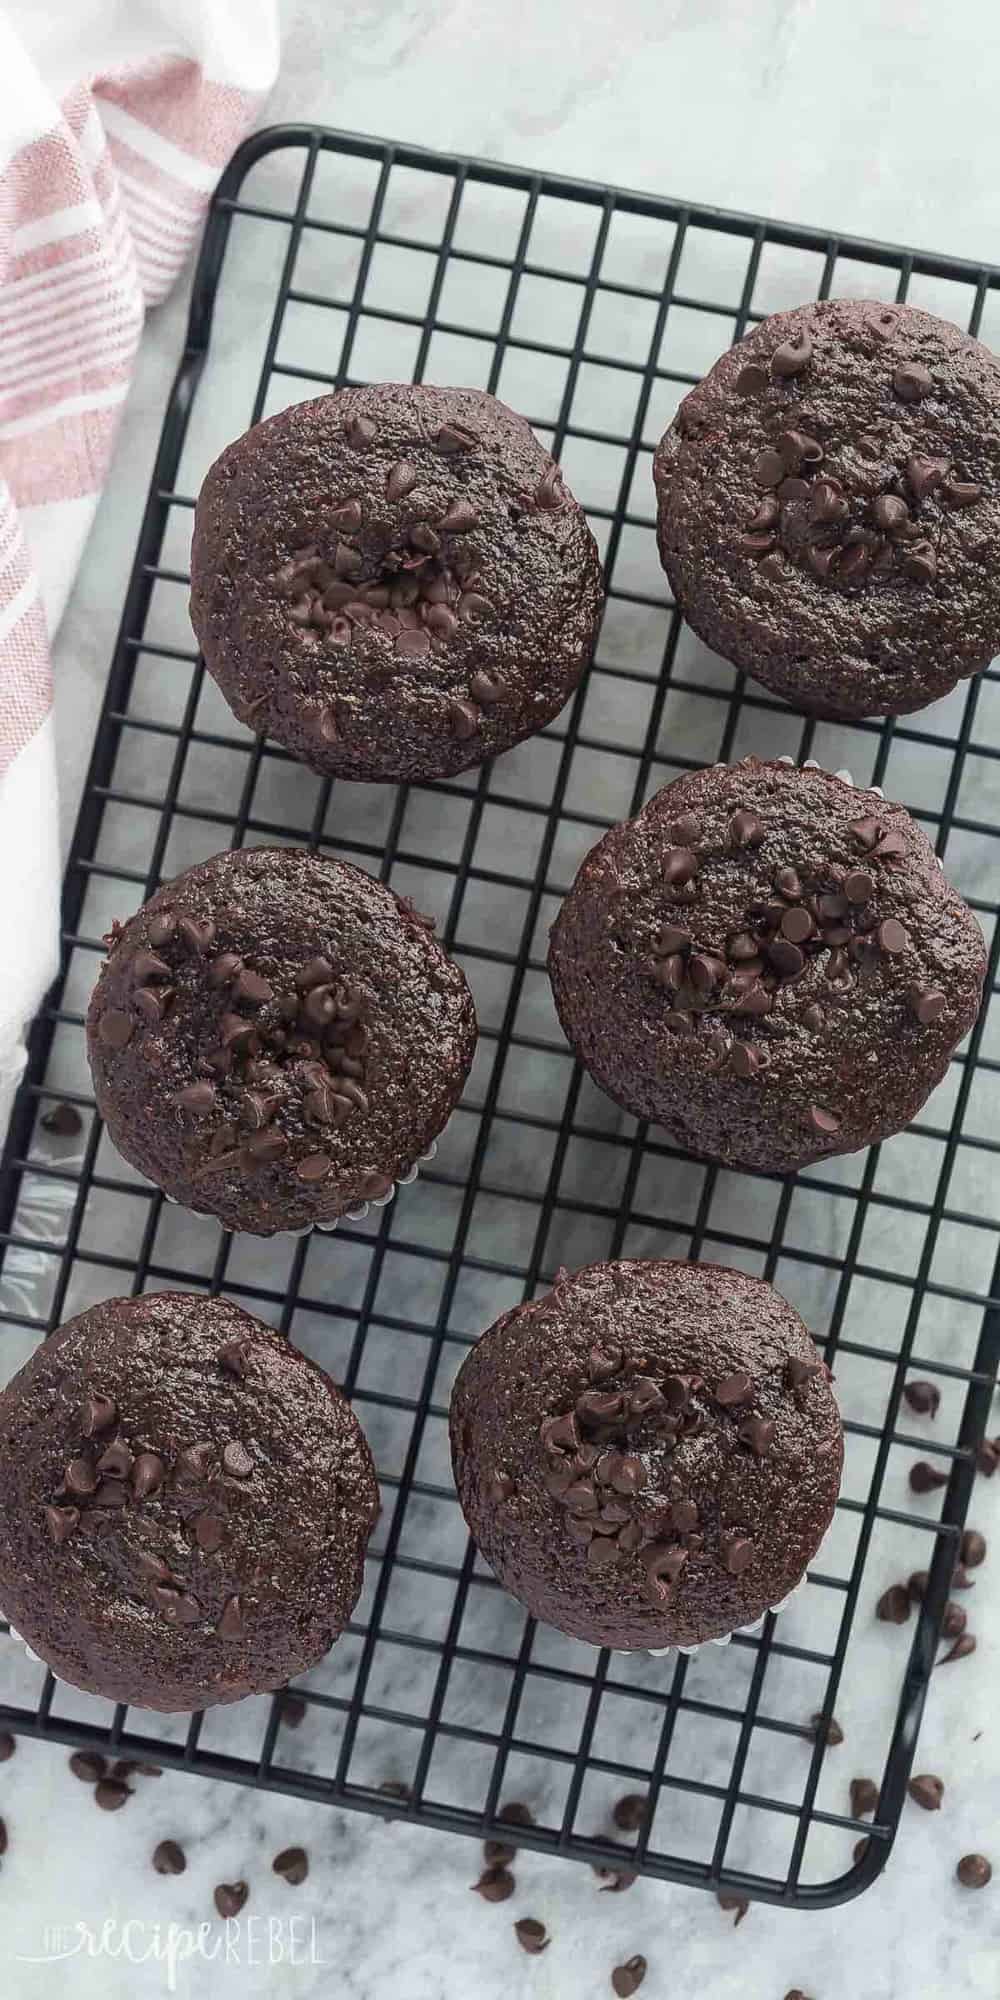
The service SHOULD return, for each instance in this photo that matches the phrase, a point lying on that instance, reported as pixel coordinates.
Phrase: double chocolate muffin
(185, 1502)
(393, 581)
(768, 962)
(275, 1038)
(649, 1455)
(829, 507)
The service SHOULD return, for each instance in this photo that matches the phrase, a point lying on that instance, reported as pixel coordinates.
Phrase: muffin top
(650, 1454)
(185, 1501)
(830, 503)
(393, 581)
(275, 1037)
(769, 962)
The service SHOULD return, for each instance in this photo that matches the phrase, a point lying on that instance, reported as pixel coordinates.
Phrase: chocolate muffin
(829, 507)
(768, 962)
(185, 1501)
(394, 581)
(649, 1455)
(276, 1037)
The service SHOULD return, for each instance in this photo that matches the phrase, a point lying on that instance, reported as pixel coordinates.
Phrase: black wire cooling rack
(327, 259)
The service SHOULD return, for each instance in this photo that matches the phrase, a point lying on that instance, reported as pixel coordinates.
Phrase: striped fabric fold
(103, 186)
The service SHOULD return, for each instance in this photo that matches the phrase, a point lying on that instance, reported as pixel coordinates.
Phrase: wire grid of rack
(344, 258)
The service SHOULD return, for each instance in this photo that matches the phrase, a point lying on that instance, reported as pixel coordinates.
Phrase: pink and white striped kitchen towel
(116, 118)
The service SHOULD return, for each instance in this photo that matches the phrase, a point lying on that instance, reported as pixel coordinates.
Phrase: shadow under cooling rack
(330, 258)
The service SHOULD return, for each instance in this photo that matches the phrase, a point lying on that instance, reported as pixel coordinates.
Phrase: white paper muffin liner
(355, 1214)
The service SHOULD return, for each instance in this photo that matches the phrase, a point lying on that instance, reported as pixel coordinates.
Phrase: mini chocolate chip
(114, 1029)
(737, 1552)
(792, 356)
(198, 932)
(755, 545)
(923, 1397)
(768, 512)
(960, 492)
(110, 1493)
(751, 380)
(920, 561)
(161, 928)
(531, 1936)
(830, 1731)
(292, 1864)
(892, 936)
(176, 1606)
(745, 828)
(927, 1003)
(733, 1389)
(626, 1979)
(460, 519)
(972, 1548)
(954, 1621)
(401, 479)
(758, 1433)
(116, 1461)
(147, 1475)
(630, 1812)
(88, 1765)
(823, 1121)
(197, 1098)
(314, 1167)
(495, 1885)
(739, 1904)
(485, 688)
(456, 437)
(80, 1478)
(464, 718)
(893, 1607)
(195, 1462)
(110, 1794)
(924, 1478)
(890, 513)
(926, 1791)
(745, 1059)
(229, 1898)
(680, 865)
(974, 1871)
(964, 1645)
(169, 1858)
(62, 1119)
(252, 988)
(864, 1797)
(61, 1522)
(769, 467)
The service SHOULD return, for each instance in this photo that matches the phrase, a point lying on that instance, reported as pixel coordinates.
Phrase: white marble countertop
(866, 119)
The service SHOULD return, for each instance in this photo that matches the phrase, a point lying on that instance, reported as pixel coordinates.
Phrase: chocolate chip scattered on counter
(796, 1993)
(860, 1848)
(916, 1585)
(893, 1606)
(516, 1813)
(88, 1765)
(923, 1397)
(292, 1864)
(864, 1797)
(230, 1897)
(498, 1853)
(987, 1458)
(974, 1871)
(169, 1858)
(960, 1578)
(394, 1788)
(955, 1620)
(614, 1881)
(62, 1119)
(630, 1812)
(924, 1478)
(494, 1885)
(926, 1791)
(110, 1794)
(531, 1935)
(964, 1645)
(972, 1548)
(293, 1712)
(831, 1731)
(7, 1745)
(626, 1979)
(739, 1904)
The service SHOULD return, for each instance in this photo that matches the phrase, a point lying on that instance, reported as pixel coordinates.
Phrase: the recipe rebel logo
(239, 1941)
